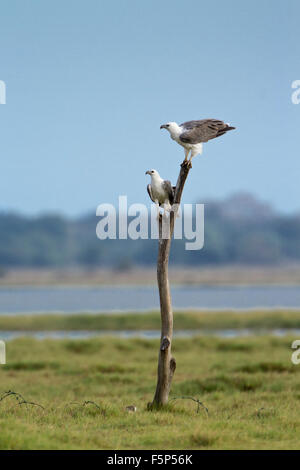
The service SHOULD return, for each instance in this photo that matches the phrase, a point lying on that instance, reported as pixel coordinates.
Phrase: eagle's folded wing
(167, 186)
(203, 130)
(150, 192)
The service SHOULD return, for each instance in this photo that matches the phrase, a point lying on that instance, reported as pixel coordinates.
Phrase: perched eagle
(192, 134)
(161, 191)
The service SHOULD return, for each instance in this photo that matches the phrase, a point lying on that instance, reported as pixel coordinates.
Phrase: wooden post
(167, 363)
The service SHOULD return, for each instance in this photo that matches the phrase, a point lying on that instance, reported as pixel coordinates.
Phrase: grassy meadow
(256, 320)
(248, 385)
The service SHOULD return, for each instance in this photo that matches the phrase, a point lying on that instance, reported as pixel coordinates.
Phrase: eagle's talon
(186, 163)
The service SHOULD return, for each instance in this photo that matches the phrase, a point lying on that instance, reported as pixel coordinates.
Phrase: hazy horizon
(242, 196)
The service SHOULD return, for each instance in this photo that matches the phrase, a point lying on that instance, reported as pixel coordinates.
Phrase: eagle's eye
(152, 172)
(167, 125)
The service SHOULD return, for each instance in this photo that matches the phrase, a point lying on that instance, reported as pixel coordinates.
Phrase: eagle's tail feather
(229, 127)
(224, 130)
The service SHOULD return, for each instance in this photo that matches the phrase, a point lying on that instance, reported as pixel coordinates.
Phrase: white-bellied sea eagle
(192, 134)
(160, 191)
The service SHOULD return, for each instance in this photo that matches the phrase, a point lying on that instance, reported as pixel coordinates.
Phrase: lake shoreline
(27, 300)
(146, 334)
(138, 276)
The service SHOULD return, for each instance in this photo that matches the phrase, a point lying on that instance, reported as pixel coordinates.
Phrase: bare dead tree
(167, 363)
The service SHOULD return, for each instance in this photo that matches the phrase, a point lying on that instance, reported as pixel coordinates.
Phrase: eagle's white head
(153, 173)
(173, 128)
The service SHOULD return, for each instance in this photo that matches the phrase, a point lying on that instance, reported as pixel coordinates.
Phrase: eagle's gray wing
(167, 186)
(150, 192)
(195, 132)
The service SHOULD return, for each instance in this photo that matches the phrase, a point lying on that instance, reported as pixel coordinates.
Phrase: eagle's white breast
(157, 189)
(175, 133)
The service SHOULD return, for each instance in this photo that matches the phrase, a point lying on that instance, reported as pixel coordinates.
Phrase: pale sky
(90, 82)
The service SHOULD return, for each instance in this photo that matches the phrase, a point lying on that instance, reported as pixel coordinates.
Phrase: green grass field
(188, 320)
(249, 386)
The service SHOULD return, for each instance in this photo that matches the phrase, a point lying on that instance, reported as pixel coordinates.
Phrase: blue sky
(89, 83)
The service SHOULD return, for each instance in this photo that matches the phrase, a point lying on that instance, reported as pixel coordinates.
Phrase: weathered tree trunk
(166, 363)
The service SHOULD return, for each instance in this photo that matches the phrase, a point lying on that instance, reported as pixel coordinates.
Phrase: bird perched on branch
(161, 191)
(192, 134)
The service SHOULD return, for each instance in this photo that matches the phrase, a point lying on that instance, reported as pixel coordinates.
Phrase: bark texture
(167, 363)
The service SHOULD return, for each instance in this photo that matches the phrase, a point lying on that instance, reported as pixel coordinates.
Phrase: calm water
(109, 299)
(146, 334)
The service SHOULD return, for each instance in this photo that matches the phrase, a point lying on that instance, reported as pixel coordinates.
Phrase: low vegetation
(249, 386)
(189, 320)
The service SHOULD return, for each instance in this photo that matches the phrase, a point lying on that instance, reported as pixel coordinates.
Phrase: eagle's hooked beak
(163, 126)
(148, 172)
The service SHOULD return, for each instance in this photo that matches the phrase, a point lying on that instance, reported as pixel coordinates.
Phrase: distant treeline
(238, 230)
